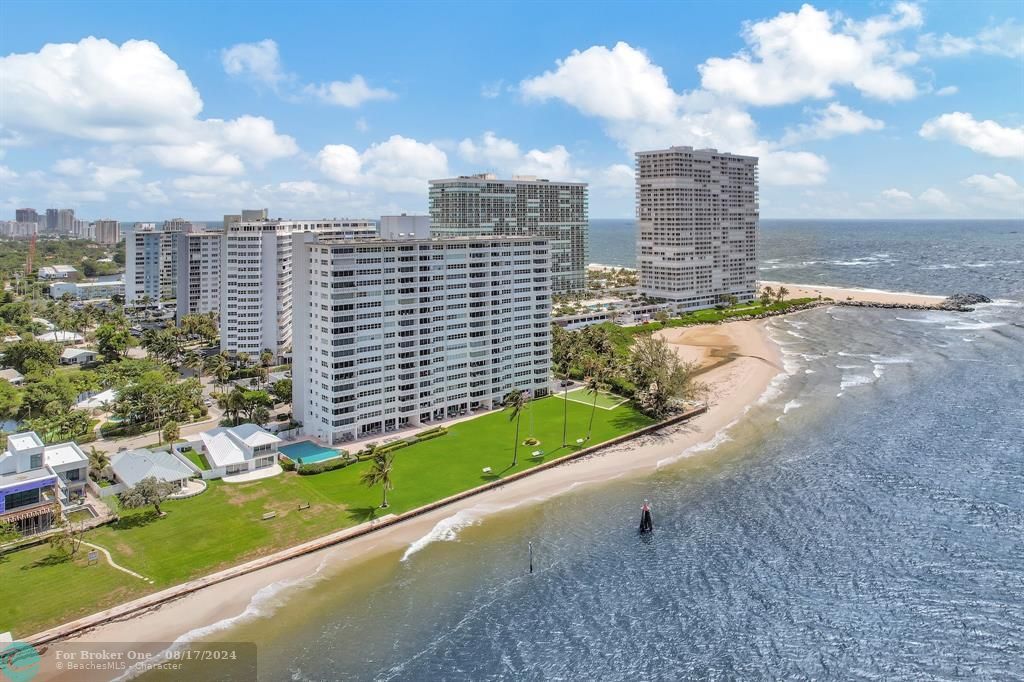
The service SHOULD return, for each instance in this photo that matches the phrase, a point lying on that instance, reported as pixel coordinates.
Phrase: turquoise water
(307, 452)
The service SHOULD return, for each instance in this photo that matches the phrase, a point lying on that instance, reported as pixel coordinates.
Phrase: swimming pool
(307, 452)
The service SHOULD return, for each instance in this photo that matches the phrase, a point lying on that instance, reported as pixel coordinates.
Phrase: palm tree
(595, 382)
(243, 359)
(515, 401)
(194, 362)
(766, 296)
(266, 357)
(218, 367)
(570, 352)
(782, 293)
(379, 473)
(98, 461)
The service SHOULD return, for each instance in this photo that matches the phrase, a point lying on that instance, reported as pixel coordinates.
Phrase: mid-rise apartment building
(403, 332)
(17, 229)
(256, 280)
(523, 206)
(697, 222)
(151, 261)
(199, 261)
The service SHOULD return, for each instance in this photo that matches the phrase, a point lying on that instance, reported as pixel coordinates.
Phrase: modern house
(237, 449)
(38, 482)
(77, 356)
(131, 466)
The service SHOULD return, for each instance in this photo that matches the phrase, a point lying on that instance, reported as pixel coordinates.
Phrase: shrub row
(361, 456)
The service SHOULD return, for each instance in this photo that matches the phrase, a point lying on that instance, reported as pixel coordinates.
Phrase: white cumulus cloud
(806, 54)
(350, 93)
(833, 120)
(1003, 40)
(985, 137)
(399, 164)
(897, 194)
(997, 186)
(260, 61)
(133, 95)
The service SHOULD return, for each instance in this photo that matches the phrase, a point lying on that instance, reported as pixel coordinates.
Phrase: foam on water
(445, 530)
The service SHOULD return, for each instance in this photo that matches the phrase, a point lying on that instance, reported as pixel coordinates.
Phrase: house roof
(60, 337)
(223, 444)
(71, 353)
(131, 466)
(107, 396)
(11, 375)
(221, 450)
(65, 453)
(253, 435)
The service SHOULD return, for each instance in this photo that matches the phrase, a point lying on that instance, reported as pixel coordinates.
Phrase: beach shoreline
(754, 361)
(855, 294)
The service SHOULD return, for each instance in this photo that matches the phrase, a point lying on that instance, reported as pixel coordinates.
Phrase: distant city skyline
(855, 110)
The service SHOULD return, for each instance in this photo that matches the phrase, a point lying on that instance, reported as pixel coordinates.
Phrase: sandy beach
(739, 362)
(854, 294)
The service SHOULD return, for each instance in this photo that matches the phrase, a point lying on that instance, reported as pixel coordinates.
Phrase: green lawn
(605, 400)
(197, 459)
(223, 527)
(37, 591)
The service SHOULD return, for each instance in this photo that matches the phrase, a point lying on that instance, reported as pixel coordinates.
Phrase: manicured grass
(223, 526)
(197, 459)
(605, 400)
(38, 591)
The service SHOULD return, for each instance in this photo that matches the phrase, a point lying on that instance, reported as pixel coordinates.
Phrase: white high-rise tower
(697, 221)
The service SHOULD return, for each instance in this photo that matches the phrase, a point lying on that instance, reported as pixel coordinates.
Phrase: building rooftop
(10, 374)
(491, 177)
(57, 270)
(60, 337)
(23, 441)
(65, 453)
(72, 353)
(131, 466)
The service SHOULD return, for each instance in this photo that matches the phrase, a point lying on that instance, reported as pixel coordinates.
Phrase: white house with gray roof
(236, 450)
(131, 466)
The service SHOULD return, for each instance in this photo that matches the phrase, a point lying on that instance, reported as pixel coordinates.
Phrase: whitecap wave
(850, 381)
(791, 405)
(721, 437)
(445, 530)
(974, 326)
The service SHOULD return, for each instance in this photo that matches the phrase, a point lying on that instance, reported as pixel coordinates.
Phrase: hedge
(321, 467)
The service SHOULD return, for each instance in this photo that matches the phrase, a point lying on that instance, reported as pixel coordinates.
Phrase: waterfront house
(131, 466)
(237, 449)
(38, 482)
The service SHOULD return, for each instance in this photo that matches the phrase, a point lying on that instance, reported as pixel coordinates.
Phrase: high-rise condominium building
(107, 231)
(27, 215)
(66, 220)
(398, 333)
(151, 261)
(256, 280)
(51, 220)
(199, 261)
(697, 220)
(523, 206)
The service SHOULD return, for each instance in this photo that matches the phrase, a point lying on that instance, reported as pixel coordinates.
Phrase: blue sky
(153, 110)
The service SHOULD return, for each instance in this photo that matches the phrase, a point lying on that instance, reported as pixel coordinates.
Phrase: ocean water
(923, 256)
(864, 520)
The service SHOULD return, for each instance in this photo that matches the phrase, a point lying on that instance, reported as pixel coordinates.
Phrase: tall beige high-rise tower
(697, 222)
